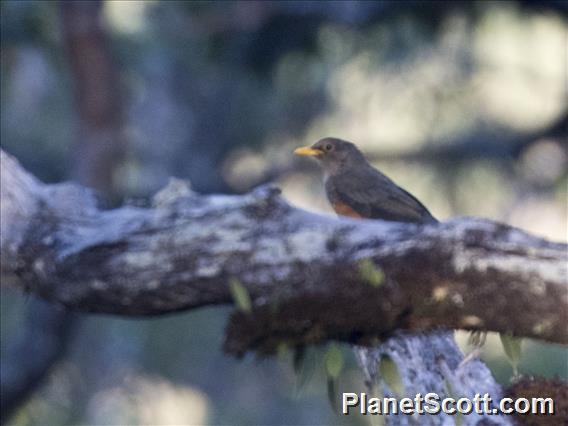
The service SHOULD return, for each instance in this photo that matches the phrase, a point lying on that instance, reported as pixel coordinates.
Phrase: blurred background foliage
(464, 104)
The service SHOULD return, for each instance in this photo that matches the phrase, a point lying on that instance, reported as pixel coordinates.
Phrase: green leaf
(333, 361)
(240, 295)
(391, 375)
(282, 351)
(333, 365)
(376, 392)
(512, 348)
(371, 273)
(450, 393)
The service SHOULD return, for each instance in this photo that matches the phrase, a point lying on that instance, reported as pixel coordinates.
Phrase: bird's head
(333, 153)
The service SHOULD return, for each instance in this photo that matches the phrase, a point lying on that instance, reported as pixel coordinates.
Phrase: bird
(356, 189)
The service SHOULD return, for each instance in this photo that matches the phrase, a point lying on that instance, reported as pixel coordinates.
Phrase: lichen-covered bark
(303, 272)
(431, 363)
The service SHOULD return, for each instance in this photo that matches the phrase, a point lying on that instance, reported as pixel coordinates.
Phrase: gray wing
(375, 196)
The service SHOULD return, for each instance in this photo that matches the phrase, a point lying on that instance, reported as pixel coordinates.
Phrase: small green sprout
(512, 348)
(240, 295)
(391, 375)
(371, 273)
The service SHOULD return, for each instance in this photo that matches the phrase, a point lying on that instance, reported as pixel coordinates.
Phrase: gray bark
(303, 273)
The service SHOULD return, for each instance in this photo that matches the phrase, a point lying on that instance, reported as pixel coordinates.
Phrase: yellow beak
(306, 150)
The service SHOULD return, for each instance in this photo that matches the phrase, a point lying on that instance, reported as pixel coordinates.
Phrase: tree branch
(503, 147)
(302, 271)
(482, 146)
(310, 278)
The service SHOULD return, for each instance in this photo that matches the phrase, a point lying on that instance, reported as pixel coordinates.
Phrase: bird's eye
(328, 147)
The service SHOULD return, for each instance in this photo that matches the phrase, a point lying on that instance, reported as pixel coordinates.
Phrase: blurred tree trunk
(98, 151)
(99, 147)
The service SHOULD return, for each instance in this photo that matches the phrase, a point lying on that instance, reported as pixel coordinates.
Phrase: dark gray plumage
(355, 188)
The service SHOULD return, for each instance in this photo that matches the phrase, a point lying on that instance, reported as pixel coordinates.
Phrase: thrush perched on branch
(354, 188)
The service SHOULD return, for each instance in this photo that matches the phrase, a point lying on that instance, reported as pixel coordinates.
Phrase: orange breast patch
(343, 209)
